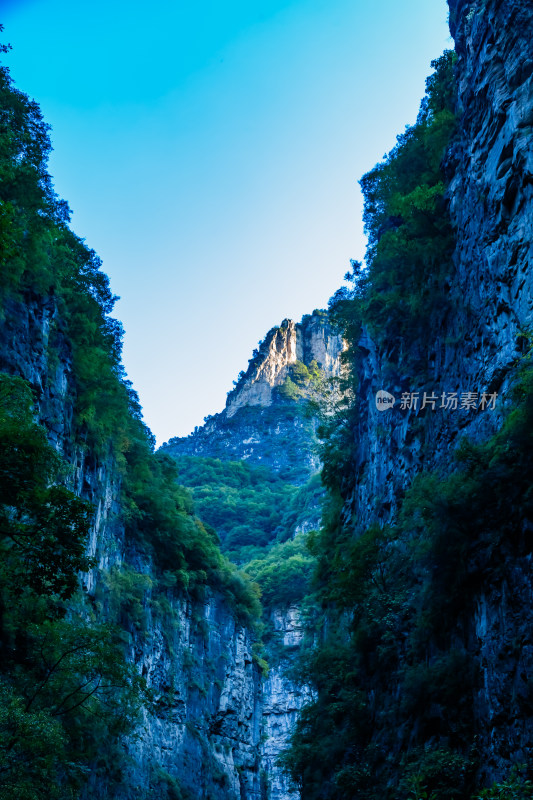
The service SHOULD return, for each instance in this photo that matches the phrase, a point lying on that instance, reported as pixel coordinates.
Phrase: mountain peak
(313, 343)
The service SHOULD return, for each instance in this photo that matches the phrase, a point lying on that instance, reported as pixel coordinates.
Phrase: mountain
(253, 469)
(254, 474)
(271, 416)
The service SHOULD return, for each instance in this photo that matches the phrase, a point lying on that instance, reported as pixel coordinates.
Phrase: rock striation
(282, 699)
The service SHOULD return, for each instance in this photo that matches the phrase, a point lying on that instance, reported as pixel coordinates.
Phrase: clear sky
(211, 153)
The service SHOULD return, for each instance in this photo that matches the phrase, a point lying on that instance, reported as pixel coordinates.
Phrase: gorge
(213, 619)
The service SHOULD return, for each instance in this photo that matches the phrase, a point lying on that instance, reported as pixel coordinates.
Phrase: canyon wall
(476, 346)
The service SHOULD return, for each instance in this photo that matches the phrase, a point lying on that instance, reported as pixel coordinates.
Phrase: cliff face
(491, 203)
(490, 192)
(312, 339)
(28, 329)
(282, 699)
(262, 423)
(476, 348)
(205, 729)
(202, 731)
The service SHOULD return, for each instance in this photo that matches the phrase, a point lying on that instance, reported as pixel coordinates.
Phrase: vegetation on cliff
(394, 671)
(41, 257)
(360, 738)
(67, 692)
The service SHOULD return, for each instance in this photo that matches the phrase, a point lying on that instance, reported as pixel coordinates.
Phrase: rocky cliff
(478, 344)
(201, 732)
(267, 420)
(282, 699)
(477, 315)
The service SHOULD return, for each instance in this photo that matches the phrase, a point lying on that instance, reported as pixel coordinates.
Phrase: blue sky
(210, 153)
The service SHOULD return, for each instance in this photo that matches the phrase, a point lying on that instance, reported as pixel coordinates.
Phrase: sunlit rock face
(277, 353)
(312, 339)
(261, 425)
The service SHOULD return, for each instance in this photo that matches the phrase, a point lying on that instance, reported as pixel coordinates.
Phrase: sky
(210, 153)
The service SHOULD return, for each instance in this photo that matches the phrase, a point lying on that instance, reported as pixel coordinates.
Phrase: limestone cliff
(312, 339)
(262, 422)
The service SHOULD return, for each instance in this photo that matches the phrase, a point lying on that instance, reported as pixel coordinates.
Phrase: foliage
(518, 786)
(404, 288)
(168, 787)
(43, 527)
(403, 594)
(42, 256)
(65, 685)
(246, 505)
(284, 573)
(410, 239)
(68, 695)
(289, 390)
(255, 512)
(32, 748)
(302, 382)
(159, 517)
(125, 596)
